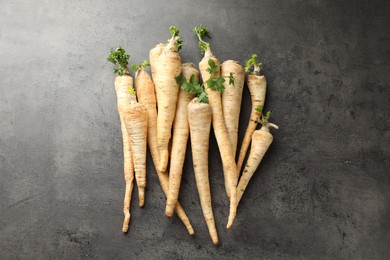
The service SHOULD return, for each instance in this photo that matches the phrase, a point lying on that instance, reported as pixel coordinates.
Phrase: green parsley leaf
(175, 32)
(253, 62)
(145, 64)
(202, 32)
(212, 67)
(131, 90)
(266, 116)
(192, 86)
(203, 97)
(259, 108)
(180, 80)
(119, 57)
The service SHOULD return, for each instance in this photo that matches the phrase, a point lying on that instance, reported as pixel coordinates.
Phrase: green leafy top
(264, 122)
(175, 33)
(266, 116)
(143, 64)
(263, 117)
(174, 30)
(119, 57)
(201, 32)
(216, 82)
(253, 62)
(192, 86)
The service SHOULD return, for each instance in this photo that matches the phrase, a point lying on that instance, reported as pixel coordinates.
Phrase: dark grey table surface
(322, 191)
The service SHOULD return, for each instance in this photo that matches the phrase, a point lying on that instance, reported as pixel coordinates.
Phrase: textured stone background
(322, 192)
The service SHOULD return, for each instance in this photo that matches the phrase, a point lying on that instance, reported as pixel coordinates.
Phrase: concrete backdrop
(322, 191)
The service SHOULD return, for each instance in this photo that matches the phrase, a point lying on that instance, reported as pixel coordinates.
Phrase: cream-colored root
(129, 176)
(257, 86)
(231, 105)
(179, 140)
(221, 135)
(122, 83)
(199, 117)
(169, 67)
(261, 140)
(136, 121)
(146, 96)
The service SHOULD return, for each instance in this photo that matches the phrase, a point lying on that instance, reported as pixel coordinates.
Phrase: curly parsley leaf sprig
(253, 62)
(120, 58)
(175, 33)
(202, 32)
(143, 64)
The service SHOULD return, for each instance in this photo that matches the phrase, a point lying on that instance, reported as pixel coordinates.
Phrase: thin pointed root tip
(141, 197)
(168, 212)
(190, 231)
(215, 242)
(189, 227)
(125, 226)
(125, 229)
(230, 223)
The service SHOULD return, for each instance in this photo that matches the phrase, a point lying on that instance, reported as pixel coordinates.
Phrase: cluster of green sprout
(253, 62)
(120, 58)
(201, 32)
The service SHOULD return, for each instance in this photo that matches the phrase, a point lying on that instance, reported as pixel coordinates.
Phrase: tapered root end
(141, 196)
(230, 221)
(229, 224)
(232, 213)
(215, 241)
(126, 222)
(188, 226)
(169, 211)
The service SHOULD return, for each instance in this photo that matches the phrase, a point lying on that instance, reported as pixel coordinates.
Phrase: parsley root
(231, 103)
(210, 70)
(167, 68)
(261, 140)
(257, 86)
(136, 121)
(146, 96)
(180, 137)
(199, 117)
(122, 82)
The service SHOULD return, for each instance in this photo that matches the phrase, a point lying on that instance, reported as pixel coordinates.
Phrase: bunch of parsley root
(177, 101)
